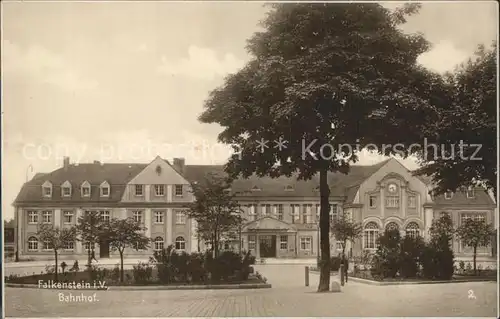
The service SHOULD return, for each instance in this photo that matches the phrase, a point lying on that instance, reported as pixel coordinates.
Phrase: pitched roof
(117, 175)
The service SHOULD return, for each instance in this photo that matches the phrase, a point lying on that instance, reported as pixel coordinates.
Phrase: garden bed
(367, 276)
(81, 278)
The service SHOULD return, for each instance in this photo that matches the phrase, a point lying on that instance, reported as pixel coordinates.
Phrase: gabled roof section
(159, 171)
(66, 184)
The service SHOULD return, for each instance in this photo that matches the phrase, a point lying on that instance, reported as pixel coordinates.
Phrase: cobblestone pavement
(287, 298)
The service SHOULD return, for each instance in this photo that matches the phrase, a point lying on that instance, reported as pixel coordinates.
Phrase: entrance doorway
(267, 246)
(104, 249)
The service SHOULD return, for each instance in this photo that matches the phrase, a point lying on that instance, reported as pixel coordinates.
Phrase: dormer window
(448, 195)
(86, 189)
(470, 192)
(47, 189)
(289, 188)
(66, 189)
(104, 189)
(255, 189)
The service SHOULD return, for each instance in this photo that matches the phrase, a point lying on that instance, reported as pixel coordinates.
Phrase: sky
(126, 81)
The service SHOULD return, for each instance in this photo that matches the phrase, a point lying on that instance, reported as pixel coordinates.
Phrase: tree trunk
(474, 259)
(216, 245)
(324, 227)
(55, 268)
(121, 265)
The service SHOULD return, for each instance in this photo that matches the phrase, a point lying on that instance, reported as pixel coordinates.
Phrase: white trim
(66, 185)
(72, 214)
(160, 187)
(105, 185)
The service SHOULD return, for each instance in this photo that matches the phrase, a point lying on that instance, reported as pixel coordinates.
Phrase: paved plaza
(288, 298)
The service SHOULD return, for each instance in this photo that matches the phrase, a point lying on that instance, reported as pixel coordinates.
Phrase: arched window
(180, 243)
(392, 226)
(371, 231)
(32, 244)
(412, 230)
(159, 243)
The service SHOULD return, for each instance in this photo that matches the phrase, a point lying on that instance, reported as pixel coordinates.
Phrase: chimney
(179, 165)
(66, 162)
(97, 162)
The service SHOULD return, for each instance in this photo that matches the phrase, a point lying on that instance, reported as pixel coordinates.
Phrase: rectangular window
(158, 217)
(373, 201)
(265, 209)
(180, 217)
(251, 242)
(137, 216)
(473, 216)
(370, 239)
(279, 211)
(32, 217)
(47, 217)
(448, 195)
(139, 190)
(295, 213)
(305, 243)
(470, 193)
(86, 191)
(47, 245)
(392, 201)
(160, 190)
(251, 212)
(284, 242)
(105, 215)
(412, 201)
(69, 246)
(178, 190)
(66, 191)
(104, 191)
(68, 217)
(333, 213)
(306, 213)
(47, 191)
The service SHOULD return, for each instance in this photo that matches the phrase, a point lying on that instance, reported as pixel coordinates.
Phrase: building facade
(281, 214)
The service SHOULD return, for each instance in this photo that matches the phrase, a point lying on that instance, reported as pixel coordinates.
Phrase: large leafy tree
(475, 233)
(125, 233)
(326, 74)
(56, 238)
(216, 212)
(470, 119)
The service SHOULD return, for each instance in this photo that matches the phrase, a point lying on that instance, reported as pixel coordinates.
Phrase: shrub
(143, 272)
(115, 273)
(196, 268)
(389, 253)
(75, 267)
(98, 274)
(461, 264)
(162, 260)
(437, 262)
(376, 267)
(179, 265)
(246, 265)
(49, 269)
(469, 267)
(411, 249)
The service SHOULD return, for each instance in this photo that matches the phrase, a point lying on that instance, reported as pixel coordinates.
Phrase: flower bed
(165, 268)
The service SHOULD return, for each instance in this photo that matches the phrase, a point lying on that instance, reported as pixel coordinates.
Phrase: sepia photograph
(249, 159)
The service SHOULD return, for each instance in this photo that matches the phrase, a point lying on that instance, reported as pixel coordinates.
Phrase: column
(20, 220)
(147, 193)
(169, 193)
(429, 215)
(78, 242)
(257, 246)
(147, 221)
(194, 237)
(57, 217)
(168, 219)
(382, 201)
